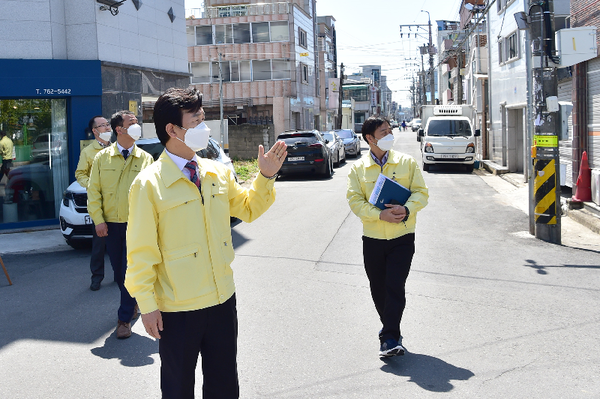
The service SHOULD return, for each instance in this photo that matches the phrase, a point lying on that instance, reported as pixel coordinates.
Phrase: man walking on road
(388, 235)
(102, 132)
(180, 248)
(113, 171)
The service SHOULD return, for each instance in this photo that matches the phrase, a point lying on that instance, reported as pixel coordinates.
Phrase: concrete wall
(244, 139)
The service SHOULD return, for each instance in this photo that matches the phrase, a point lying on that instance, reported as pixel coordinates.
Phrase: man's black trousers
(116, 246)
(387, 263)
(212, 333)
(97, 259)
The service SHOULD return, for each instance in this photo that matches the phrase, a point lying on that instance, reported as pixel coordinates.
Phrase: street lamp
(431, 77)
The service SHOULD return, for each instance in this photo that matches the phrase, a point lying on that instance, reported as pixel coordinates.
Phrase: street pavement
(491, 311)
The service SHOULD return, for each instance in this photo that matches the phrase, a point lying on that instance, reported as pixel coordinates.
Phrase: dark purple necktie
(192, 168)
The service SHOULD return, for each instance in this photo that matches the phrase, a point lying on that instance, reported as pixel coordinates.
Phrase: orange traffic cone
(584, 181)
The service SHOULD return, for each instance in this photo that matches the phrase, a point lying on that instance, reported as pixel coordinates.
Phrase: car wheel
(328, 169)
(425, 167)
(344, 159)
(470, 168)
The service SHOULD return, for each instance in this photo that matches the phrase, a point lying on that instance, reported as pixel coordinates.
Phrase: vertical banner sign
(334, 93)
(544, 187)
(373, 96)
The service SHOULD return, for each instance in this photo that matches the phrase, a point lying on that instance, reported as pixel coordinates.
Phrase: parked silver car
(336, 146)
(351, 141)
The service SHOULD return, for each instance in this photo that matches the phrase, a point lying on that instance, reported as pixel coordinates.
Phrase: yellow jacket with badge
(179, 246)
(84, 166)
(110, 180)
(361, 182)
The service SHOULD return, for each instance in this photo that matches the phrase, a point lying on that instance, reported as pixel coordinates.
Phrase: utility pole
(340, 96)
(431, 51)
(224, 138)
(424, 99)
(544, 150)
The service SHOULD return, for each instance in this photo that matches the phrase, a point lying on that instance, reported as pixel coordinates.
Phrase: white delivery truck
(447, 135)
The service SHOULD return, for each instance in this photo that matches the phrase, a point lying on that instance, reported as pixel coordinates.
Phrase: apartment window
(281, 69)
(304, 72)
(245, 71)
(203, 35)
(321, 43)
(191, 35)
(280, 31)
(223, 34)
(261, 70)
(260, 32)
(215, 72)
(508, 48)
(241, 33)
(302, 38)
(200, 72)
(503, 4)
(512, 47)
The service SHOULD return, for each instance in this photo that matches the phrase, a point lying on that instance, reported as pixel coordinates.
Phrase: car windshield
(328, 136)
(345, 134)
(417, 121)
(449, 127)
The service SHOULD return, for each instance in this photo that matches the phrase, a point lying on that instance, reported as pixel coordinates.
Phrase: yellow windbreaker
(109, 183)
(179, 246)
(84, 166)
(361, 182)
(6, 149)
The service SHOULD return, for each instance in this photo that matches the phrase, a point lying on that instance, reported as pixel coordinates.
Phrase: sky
(368, 33)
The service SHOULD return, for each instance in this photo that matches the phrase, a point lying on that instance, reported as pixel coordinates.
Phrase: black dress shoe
(95, 286)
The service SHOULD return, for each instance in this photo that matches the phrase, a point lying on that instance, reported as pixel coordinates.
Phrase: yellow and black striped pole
(544, 187)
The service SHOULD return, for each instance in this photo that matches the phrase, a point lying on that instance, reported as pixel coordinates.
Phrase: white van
(447, 136)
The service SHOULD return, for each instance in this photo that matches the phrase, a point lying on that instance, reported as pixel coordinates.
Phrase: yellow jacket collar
(393, 158)
(170, 173)
(114, 150)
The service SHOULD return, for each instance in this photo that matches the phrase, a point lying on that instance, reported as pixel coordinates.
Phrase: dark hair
(2, 133)
(117, 119)
(169, 108)
(371, 124)
(92, 121)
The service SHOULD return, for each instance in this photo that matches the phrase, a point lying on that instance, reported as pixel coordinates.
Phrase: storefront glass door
(33, 188)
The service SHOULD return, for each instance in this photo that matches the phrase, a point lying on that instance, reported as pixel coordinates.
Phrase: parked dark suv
(307, 153)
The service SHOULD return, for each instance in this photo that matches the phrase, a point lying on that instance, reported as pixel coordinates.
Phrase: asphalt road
(491, 311)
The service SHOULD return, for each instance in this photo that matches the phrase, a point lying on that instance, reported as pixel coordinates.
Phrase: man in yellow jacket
(180, 248)
(6, 153)
(388, 235)
(100, 127)
(113, 171)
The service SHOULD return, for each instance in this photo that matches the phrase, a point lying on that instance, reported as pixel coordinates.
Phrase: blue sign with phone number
(50, 78)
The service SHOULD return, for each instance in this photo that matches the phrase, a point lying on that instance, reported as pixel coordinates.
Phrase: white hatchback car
(75, 222)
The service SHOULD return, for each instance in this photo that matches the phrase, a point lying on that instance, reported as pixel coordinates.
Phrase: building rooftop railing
(238, 10)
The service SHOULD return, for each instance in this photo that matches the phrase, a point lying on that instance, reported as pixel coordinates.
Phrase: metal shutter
(566, 146)
(593, 78)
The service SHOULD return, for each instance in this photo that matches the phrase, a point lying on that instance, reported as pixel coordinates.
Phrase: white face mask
(134, 131)
(386, 143)
(197, 137)
(105, 136)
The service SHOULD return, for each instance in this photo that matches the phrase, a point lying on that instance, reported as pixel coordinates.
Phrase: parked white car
(75, 222)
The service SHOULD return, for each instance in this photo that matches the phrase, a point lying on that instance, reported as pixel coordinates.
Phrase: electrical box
(563, 119)
(575, 45)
